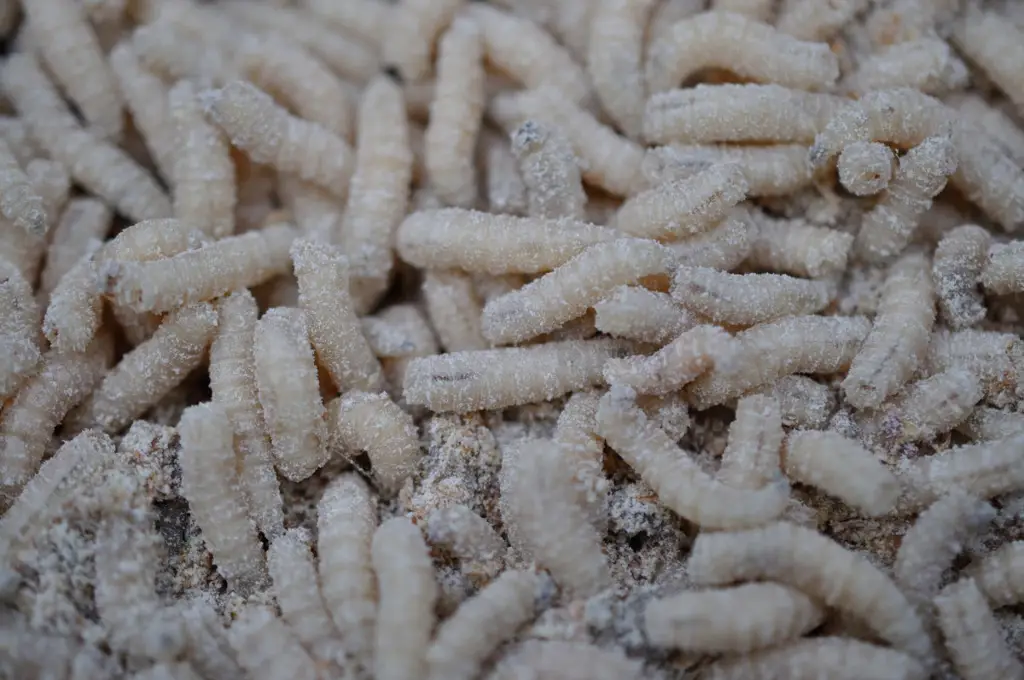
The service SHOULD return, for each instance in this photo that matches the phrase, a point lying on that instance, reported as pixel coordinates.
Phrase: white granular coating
(751, 49)
(737, 113)
(513, 339)
(710, 620)
(210, 483)
(973, 635)
(289, 392)
(778, 552)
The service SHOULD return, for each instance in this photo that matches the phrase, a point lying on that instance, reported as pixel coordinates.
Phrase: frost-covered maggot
(153, 240)
(694, 352)
(269, 134)
(209, 480)
(480, 625)
(81, 229)
(399, 330)
(904, 118)
(408, 594)
(41, 403)
(898, 341)
(903, 20)
(72, 52)
(539, 503)
(456, 114)
(922, 174)
(74, 312)
(233, 386)
(816, 19)
(203, 174)
(576, 435)
(414, 27)
(985, 470)
(675, 477)
(707, 114)
(799, 248)
(454, 309)
(996, 122)
(334, 329)
(803, 401)
(959, 261)
(724, 247)
(148, 372)
(289, 392)
(520, 48)
(841, 467)
(204, 273)
(170, 51)
(751, 49)
(1000, 575)
(767, 352)
(996, 358)
(607, 160)
(995, 44)
(1003, 272)
(196, 21)
(934, 540)
(98, 165)
(20, 204)
(297, 78)
(397, 334)
(974, 638)
(52, 182)
(346, 520)
(490, 243)
(347, 56)
(685, 207)
(986, 424)
(636, 313)
(297, 591)
(927, 64)
(568, 21)
(315, 211)
(771, 170)
(504, 187)
(748, 299)
(14, 132)
(497, 378)
(740, 619)
(470, 539)
(363, 421)
(558, 659)
(839, 657)
(568, 291)
(266, 647)
(615, 60)
(751, 459)
(19, 328)
(379, 191)
(806, 560)
(547, 164)
(366, 19)
(209, 650)
(931, 406)
(865, 168)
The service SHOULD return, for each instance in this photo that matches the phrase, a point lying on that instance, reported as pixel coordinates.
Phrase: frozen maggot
(273, 256)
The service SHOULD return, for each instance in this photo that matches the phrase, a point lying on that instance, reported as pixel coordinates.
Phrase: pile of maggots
(522, 340)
